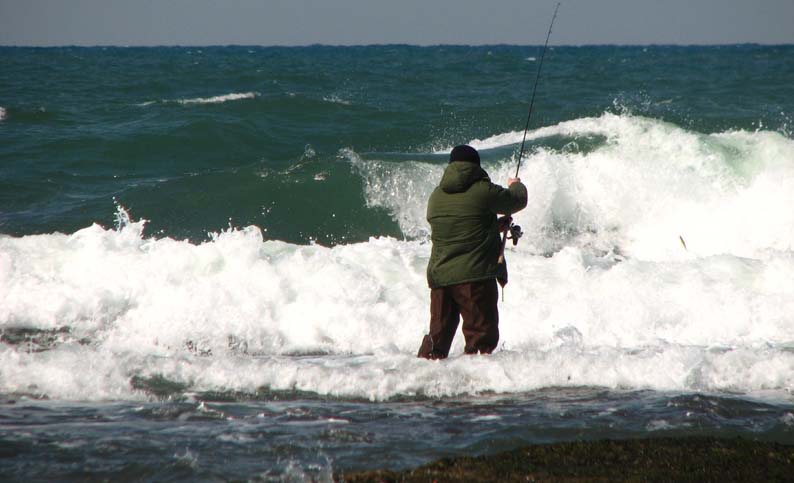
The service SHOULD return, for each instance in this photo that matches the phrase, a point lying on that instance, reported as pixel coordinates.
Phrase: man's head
(464, 153)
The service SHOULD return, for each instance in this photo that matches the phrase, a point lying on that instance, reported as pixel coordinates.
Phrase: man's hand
(513, 180)
(504, 222)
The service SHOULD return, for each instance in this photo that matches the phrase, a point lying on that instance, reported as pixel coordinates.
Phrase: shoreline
(687, 458)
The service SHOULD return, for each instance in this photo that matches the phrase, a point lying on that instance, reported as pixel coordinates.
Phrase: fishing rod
(514, 230)
(535, 88)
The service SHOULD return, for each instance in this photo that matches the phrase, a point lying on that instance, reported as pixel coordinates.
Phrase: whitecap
(234, 96)
(219, 99)
(642, 188)
(487, 417)
(335, 99)
(659, 425)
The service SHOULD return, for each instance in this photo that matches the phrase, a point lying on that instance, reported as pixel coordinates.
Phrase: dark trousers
(476, 302)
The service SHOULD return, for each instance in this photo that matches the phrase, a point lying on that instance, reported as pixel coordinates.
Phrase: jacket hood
(460, 175)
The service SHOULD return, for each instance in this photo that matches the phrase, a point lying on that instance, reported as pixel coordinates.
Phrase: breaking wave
(235, 96)
(653, 257)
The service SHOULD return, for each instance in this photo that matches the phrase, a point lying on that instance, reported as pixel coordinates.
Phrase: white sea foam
(402, 188)
(240, 312)
(236, 313)
(2, 113)
(335, 99)
(235, 96)
(219, 99)
(647, 184)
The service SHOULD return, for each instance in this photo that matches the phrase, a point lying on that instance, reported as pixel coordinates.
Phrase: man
(464, 261)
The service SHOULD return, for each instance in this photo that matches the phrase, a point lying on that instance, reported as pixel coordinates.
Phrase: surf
(241, 313)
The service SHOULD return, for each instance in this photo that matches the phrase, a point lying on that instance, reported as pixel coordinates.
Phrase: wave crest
(637, 186)
(602, 290)
(234, 96)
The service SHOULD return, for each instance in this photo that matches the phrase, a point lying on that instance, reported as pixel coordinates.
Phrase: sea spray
(635, 193)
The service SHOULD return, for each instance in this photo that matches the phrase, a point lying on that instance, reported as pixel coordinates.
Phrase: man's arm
(509, 200)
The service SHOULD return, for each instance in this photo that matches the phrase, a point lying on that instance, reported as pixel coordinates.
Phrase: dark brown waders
(476, 302)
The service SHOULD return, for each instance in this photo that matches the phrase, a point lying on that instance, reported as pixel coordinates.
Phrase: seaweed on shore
(655, 459)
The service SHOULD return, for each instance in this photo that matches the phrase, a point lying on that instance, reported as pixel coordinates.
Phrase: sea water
(212, 259)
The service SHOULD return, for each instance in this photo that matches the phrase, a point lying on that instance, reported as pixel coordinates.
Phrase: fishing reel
(510, 231)
(515, 233)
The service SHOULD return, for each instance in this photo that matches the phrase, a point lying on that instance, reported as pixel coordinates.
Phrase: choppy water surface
(278, 437)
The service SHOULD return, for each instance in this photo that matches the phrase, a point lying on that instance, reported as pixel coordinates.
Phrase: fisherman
(465, 259)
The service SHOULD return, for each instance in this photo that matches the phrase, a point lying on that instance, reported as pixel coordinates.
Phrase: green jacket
(462, 214)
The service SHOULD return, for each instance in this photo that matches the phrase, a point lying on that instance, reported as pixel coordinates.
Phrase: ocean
(212, 259)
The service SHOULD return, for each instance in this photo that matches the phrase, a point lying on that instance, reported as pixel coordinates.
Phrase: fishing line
(535, 88)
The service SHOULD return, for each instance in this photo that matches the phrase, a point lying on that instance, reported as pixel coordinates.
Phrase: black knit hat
(464, 153)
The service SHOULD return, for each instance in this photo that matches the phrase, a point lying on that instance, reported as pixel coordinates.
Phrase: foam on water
(336, 99)
(402, 188)
(234, 96)
(219, 99)
(602, 291)
(645, 186)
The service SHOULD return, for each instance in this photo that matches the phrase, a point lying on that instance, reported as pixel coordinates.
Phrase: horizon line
(395, 44)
